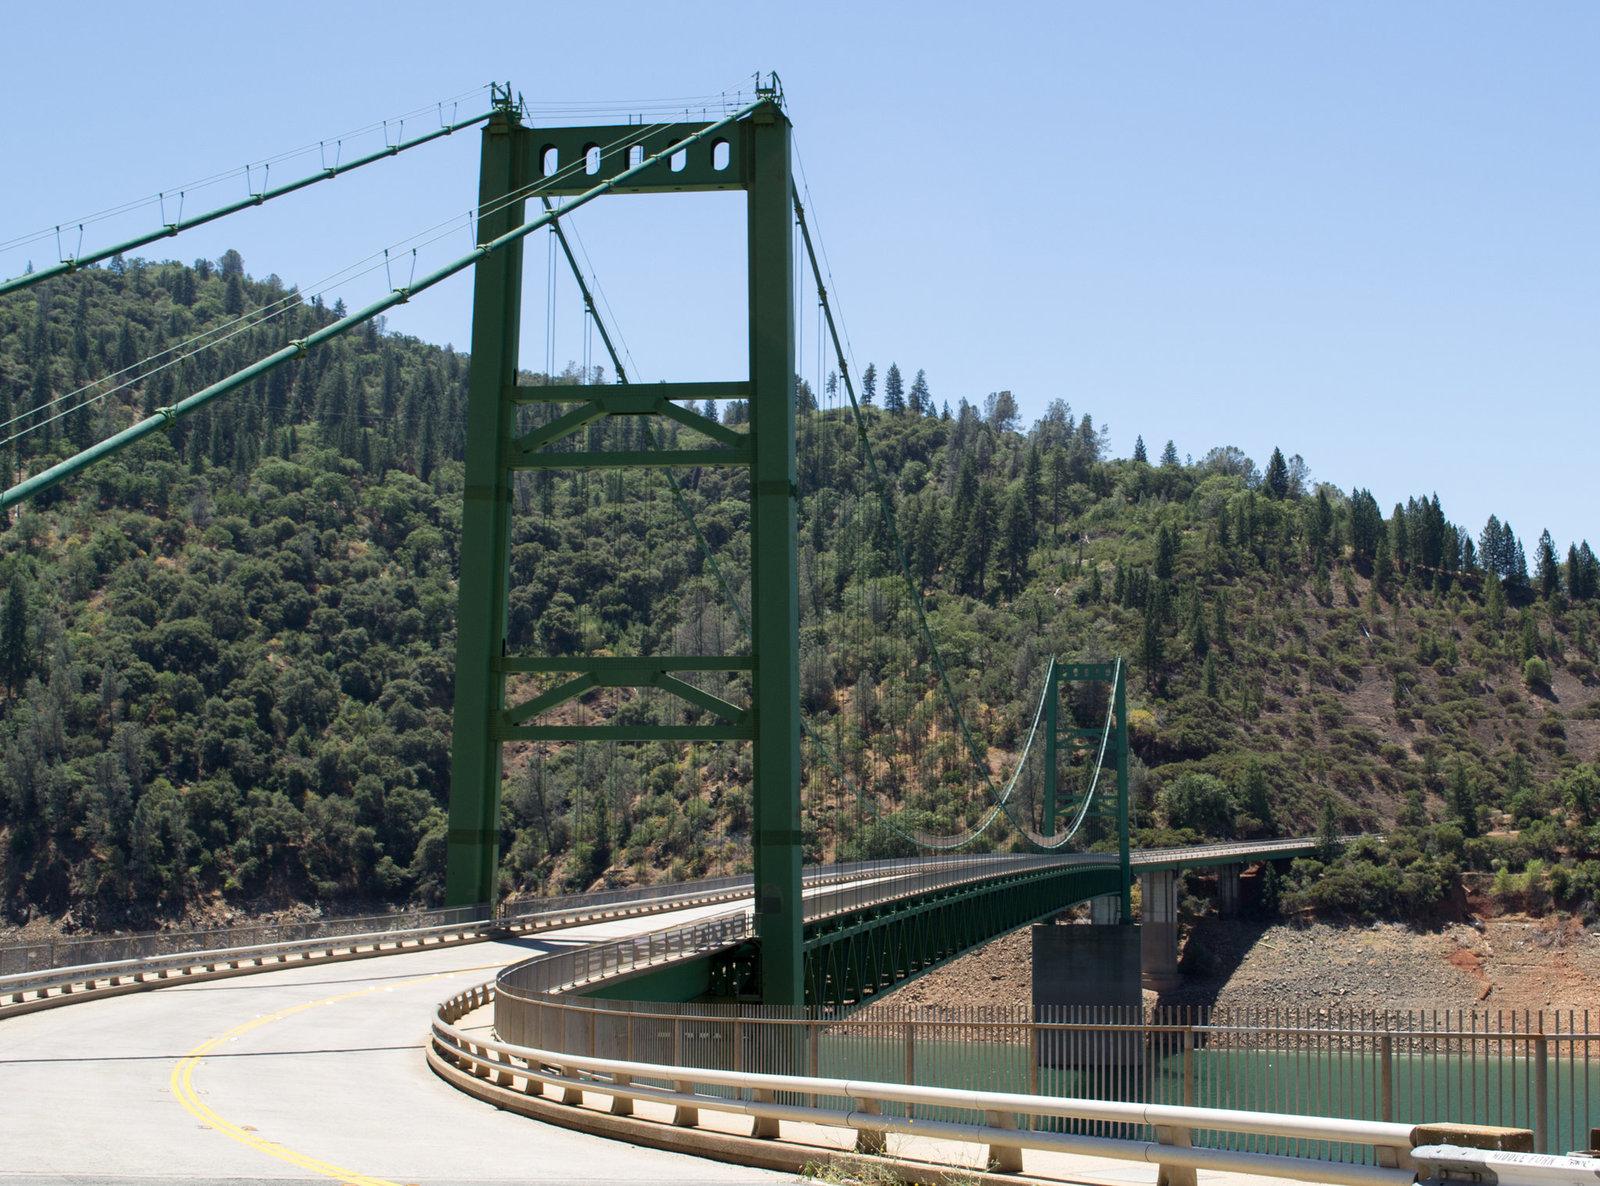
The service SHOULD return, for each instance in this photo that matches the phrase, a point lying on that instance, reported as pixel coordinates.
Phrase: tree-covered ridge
(227, 654)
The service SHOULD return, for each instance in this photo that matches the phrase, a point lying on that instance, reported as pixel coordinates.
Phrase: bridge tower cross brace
(752, 154)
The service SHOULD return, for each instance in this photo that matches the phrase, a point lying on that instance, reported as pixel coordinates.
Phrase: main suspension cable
(179, 225)
(166, 416)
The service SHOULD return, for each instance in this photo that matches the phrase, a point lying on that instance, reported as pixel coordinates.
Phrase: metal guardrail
(31, 990)
(1007, 1123)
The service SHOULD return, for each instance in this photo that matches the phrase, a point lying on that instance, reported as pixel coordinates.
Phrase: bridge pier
(1106, 910)
(1081, 973)
(1228, 890)
(1159, 928)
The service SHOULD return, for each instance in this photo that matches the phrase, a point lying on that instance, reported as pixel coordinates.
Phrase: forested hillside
(226, 655)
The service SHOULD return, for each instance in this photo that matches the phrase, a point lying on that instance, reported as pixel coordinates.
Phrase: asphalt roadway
(307, 1075)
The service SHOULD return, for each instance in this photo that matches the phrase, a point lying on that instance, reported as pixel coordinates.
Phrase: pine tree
(1059, 481)
(1494, 599)
(869, 383)
(1139, 454)
(894, 399)
(1382, 567)
(1547, 567)
(1277, 476)
(1016, 541)
(15, 666)
(1166, 551)
(1464, 802)
(1329, 840)
(1256, 793)
(921, 399)
(1032, 487)
(1366, 525)
(1400, 539)
(1153, 647)
(1169, 456)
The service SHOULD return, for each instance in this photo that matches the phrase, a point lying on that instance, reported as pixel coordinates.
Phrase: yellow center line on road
(183, 1089)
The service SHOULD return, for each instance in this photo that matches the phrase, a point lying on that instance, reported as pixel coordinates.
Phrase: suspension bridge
(902, 756)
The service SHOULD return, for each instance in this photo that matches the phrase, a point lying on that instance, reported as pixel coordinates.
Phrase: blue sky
(1364, 232)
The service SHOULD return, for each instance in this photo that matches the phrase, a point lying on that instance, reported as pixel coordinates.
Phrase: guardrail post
(1386, 1071)
(685, 1115)
(870, 1140)
(1174, 1175)
(621, 1105)
(1004, 1159)
(814, 1055)
(911, 1063)
(1541, 1090)
(764, 1128)
(570, 1094)
(1188, 1067)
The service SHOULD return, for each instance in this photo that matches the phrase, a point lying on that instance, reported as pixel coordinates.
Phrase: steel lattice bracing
(752, 154)
(852, 956)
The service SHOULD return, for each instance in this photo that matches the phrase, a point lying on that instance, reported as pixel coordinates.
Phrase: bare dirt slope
(1511, 963)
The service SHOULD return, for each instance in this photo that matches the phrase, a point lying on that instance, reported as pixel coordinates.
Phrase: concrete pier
(1082, 973)
(1159, 928)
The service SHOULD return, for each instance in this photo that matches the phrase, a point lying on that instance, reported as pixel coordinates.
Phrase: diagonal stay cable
(297, 349)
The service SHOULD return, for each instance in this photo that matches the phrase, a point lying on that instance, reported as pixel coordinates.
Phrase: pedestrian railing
(762, 1067)
(1536, 1071)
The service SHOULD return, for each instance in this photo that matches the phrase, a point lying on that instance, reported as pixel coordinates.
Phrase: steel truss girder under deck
(851, 956)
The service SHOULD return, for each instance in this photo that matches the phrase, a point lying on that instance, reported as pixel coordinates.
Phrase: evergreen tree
(1464, 802)
(1494, 599)
(1277, 476)
(869, 383)
(978, 542)
(15, 665)
(1400, 539)
(921, 399)
(1032, 488)
(1153, 645)
(1016, 541)
(1166, 551)
(927, 543)
(1583, 573)
(1060, 479)
(1548, 569)
(1139, 455)
(1169, 456)
(1256, 794)
(1329, 838)
(1382, 567)
(1366, 525)
(894, 399)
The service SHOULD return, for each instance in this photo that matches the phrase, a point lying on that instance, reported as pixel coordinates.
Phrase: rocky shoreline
(1504, 964)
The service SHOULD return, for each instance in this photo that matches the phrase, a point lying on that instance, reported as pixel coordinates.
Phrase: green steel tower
(749, 151)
